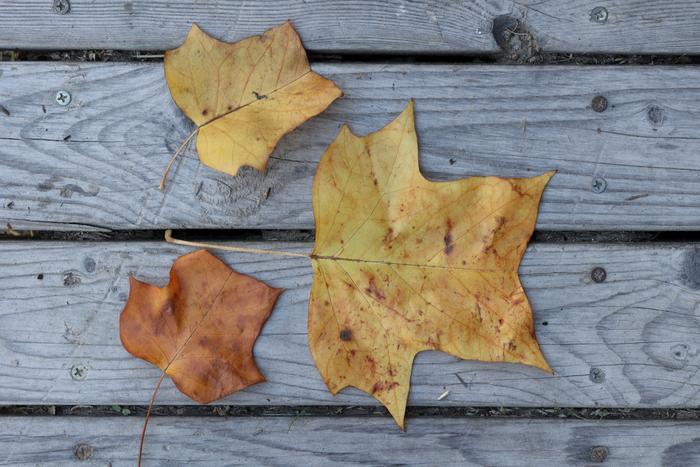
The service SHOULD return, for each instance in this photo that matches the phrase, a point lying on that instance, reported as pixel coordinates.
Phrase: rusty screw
(61, 7)
(599, 104)
(597, 375)
(599, 15)
(598, 275)
(599, 185)
(599, 454)
(78, 372)
(63, 98)
(82, 451)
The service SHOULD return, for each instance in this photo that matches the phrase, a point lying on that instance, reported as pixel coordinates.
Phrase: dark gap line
(307, 235)
(438, 57)
(602, 413)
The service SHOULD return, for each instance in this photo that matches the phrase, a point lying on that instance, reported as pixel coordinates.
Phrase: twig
(169, 238)
(177, 153)
(138, 55)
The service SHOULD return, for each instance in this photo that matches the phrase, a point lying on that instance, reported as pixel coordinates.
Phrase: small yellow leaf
(245, 96)
(402, 264)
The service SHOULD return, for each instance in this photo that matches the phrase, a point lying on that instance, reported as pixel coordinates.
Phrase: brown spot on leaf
(374, 291)
(389, 236)
(345, 335)
(448, 238)
(371, 364)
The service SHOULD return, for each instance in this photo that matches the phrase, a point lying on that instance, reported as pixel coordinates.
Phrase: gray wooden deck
(630, 343)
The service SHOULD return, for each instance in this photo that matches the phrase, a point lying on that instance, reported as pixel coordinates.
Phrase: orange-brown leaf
(245, 96)
(199, 329)
(402, 264)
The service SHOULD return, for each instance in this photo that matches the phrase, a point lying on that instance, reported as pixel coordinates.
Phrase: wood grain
(312, 441)
(368, 26)
(96, 163)
(631, 341)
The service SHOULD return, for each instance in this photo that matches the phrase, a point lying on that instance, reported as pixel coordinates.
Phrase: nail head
(597, 375)
(599, 275)
(599, 104)
(82, 451)
(599, 453)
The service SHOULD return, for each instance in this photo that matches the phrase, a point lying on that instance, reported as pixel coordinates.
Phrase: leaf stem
(148, 416)
(172, 159)
(169, 238)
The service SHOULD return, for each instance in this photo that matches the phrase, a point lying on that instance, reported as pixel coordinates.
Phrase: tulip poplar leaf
(200, 328)
(403, 264)
(245, 96)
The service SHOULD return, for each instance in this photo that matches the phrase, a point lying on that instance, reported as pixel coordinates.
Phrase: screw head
(78, 372)
(599, 15)
(61, 7)
(599, 275)
(599, 453)
(597, 375)
(598, 185)
(82, 451)
(63, 98)
(599, 104)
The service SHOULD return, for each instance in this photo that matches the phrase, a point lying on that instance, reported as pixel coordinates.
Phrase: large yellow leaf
(245, 96)
(402, 264)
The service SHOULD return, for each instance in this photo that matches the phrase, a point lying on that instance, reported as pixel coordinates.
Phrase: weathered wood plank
(312, 441)
(639, 329)
(632, 26)
(97, 162)
(325, 26)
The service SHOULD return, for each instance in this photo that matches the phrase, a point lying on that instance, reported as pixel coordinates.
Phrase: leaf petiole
(148, 416)
(172, 159)
(170, 239)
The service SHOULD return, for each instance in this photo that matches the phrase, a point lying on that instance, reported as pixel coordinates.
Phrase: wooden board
(630, 341)
(369, 26)
(312, 441)
(96, 163)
